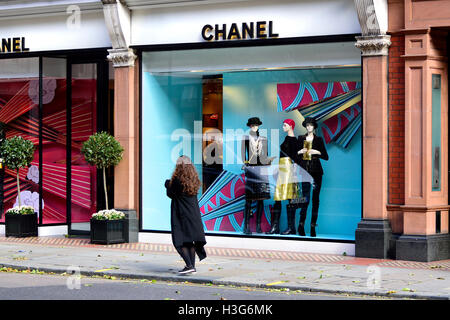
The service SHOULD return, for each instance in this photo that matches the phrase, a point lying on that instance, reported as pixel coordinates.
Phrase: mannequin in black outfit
(314, 168)
(254, 153)
(288, 149)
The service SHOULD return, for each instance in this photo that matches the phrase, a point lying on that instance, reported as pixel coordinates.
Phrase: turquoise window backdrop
(170, 108)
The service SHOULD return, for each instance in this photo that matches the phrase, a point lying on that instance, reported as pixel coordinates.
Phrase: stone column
(425, 213)
(373, 235)
(126, 82)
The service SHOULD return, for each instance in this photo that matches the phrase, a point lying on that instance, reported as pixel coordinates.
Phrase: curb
(199, 280)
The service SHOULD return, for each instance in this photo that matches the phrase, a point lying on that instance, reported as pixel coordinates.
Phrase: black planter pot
(21, 225)
(107, 231)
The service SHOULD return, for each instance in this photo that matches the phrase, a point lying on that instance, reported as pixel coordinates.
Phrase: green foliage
(102, 150)
(17, 152)
(21, 210)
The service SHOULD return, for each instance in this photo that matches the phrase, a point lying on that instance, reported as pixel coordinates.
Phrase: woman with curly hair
(188, 235)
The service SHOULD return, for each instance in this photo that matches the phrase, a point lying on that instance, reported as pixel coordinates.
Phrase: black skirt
(256, 183)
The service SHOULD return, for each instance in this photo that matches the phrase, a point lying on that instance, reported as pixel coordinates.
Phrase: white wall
(285, 56)
(291, 18)
(261, 244)
(58, 32)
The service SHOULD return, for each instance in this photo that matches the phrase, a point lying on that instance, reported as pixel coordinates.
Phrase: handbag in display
(257, 182)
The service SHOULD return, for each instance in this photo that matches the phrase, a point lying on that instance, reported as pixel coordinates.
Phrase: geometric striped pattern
(437, 265)
(334, 105)
(222, 201)
(232, 252)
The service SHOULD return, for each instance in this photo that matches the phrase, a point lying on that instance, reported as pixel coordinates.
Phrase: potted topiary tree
(103, 151)
(20, 221)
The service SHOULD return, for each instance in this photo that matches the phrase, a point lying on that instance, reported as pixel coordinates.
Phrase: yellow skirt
(286, 189)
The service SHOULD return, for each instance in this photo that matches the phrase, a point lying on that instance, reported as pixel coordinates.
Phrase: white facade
(168, 25)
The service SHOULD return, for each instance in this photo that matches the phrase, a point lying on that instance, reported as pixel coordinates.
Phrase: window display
(20, 115)
(284, 140)
(254, 156)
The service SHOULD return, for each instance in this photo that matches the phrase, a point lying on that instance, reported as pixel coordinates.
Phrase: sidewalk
(249, 268)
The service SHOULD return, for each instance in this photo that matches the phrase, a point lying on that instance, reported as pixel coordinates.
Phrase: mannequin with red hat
(285, 189)
(312, 150)
(254, 155)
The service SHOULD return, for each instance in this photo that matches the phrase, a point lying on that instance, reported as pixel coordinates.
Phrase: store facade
(202, 84)
(191, 78)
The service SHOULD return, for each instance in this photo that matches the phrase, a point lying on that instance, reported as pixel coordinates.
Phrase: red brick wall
(396, 92)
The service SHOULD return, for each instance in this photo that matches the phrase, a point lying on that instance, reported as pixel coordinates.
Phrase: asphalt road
(25, 286)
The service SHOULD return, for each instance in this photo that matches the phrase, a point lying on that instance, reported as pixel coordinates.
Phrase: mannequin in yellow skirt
(286, 188)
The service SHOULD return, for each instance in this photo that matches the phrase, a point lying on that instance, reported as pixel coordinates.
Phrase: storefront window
(203, 104)
(19, 116)
(83, 116)
(56, 132)
(54, 137)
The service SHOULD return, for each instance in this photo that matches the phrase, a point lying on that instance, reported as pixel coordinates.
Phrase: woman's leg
(247, 214)
(184, 252)
(306, 192)
(259, 212)
(192, 254)
(275, 219)
(315, 203)
(315, 198)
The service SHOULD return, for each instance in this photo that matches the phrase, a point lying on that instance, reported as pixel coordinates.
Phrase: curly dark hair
(186, 174)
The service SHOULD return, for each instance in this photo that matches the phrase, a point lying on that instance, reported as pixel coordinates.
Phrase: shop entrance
(77, 101)
(89, 110)
(56, 102)
(212, 115)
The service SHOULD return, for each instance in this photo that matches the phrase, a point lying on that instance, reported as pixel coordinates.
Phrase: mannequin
(313, 149)
(254, 154)
(285, 189)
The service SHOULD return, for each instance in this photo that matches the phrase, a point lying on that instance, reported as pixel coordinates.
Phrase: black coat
(289, 148)
(313, 166)
(185, 218)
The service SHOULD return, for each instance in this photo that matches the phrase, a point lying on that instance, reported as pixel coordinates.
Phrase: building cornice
(373, 45)
(122, 57)
(14, 10)
(372, 16)
(143, 4)
(118, 22)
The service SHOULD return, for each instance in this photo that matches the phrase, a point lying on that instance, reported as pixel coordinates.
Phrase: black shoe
(274, 230)
(186, 270)
(289, 231)
(301, 229)
(258, 229)
(247, 231)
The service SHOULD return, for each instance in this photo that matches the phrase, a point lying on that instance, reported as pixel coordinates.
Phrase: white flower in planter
(111, 214)
(33, 174)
